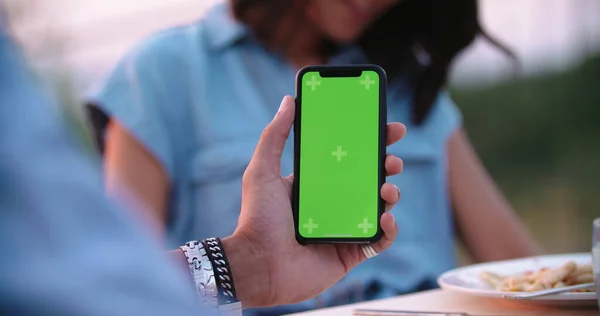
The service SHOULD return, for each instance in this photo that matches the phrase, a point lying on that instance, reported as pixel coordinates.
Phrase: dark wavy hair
(416, 38)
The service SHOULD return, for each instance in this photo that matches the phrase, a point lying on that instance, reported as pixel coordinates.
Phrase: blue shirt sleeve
(64, 248)
(143, 93)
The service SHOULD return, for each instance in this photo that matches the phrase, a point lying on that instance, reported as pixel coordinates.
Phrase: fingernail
(282, 105)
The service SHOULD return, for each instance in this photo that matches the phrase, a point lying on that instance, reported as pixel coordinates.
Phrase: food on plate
(546, 278)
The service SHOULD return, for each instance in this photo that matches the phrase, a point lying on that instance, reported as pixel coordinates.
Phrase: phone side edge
(382, 147)
(296, 184)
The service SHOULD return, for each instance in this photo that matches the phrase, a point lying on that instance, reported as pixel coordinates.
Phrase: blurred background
(536, 132)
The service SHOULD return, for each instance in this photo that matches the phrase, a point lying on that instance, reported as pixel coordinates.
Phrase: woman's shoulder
(215, 30)
(169, 45)
(443, 117)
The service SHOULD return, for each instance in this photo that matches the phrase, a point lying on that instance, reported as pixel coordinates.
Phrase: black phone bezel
(341, 71)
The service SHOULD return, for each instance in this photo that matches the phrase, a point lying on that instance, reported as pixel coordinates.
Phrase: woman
(186, 108)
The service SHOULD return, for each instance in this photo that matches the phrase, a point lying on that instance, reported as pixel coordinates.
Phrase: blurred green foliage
(538, 137)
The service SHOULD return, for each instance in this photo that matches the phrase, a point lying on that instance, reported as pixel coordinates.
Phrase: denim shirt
(198, 96)
(64, 248)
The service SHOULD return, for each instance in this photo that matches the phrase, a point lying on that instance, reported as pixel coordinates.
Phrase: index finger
(395, 132)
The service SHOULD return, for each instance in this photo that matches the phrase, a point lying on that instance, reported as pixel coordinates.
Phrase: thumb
(272, 141)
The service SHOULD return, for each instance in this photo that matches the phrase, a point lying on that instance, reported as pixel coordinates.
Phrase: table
(444, 301)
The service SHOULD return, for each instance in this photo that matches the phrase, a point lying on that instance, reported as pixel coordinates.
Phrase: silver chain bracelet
(202, 272)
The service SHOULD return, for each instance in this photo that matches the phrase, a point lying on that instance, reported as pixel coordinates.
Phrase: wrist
(249, 271)
(179, 258)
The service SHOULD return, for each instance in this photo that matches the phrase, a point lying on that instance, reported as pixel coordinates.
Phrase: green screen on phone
(338, 193)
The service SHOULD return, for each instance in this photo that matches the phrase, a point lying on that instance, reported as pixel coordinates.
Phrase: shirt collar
(349, 54)
(223, 29)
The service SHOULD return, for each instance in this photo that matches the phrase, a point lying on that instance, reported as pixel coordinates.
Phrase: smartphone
(339, 154)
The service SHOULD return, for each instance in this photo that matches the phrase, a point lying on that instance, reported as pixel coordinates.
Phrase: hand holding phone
(340, 132)
(266, 223)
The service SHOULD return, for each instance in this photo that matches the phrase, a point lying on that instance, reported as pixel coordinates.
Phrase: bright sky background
(547, 34)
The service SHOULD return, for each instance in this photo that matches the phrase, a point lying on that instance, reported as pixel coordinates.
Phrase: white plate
(467, 279)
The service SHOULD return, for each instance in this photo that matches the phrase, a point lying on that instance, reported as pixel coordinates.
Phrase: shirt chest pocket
(216, 182)
(423, 213)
